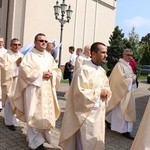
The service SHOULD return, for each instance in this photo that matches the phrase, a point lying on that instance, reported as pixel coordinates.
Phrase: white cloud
(137, 22)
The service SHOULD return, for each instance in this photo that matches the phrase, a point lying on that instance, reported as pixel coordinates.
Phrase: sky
(133, 13)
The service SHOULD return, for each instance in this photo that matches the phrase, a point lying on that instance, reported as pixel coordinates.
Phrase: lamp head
(57, 10)
(69, 13)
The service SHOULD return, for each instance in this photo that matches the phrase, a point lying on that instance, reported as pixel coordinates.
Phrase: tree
(145, 49)
(134, 42)
(117, 43)
(146, 38)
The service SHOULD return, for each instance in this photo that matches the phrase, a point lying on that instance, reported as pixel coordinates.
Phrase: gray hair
(127, 50)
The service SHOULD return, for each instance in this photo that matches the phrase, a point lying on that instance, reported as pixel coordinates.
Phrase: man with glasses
(122, 104)
(10, 68)
(2, 52)
(35, 97)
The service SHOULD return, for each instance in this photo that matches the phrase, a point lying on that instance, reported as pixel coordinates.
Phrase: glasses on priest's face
(42, 41)
(15, 44)
(129, 55)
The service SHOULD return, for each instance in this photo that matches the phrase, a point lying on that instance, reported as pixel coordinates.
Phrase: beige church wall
(39, 18)
(15, 22)
(79, 22)
(91, 21)
(105, 24)
(3, 18)
(18, 21)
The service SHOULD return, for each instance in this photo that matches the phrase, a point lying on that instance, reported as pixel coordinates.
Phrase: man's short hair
(127, 50)
(39, 34)
(1, 36)
(14, 39)
(72, 48)
(95, 46)
(79, 49)
(51, 43)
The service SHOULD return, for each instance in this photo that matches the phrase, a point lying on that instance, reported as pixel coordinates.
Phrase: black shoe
(11, 127)
(128, 135)
(0, 109)
(108, 125)
(41, 147)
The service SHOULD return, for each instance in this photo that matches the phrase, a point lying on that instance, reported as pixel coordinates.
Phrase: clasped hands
(18, 61)
(47, 75)
(105, 94)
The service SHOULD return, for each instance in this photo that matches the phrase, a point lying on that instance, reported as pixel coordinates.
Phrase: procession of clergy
(28, 93)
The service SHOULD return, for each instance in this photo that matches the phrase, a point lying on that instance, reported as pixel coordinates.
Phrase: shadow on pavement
(143, 81)
(60, 95)
(11, 139)
(116, 140)
(59, 120)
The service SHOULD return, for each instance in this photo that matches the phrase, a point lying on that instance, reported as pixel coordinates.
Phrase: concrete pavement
(10, 140)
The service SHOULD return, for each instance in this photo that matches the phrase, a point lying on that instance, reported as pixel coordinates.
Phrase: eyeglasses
(16, 44)
(129, 54)
(42, 41)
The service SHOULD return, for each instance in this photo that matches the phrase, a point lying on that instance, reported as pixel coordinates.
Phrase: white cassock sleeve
(97, 104)
(38, 81)
(16, 70)
(130, 85)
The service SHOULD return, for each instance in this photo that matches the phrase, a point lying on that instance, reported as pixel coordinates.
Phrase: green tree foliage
(116, 47)
(117, 43)
(145, 50)
(134, 42)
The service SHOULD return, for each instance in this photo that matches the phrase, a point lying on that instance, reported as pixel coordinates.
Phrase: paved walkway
(10, 140)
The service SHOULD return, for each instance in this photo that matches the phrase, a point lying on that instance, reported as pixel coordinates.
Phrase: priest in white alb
(121, 107)
(35, 100)
(2, 52)
(9, 75)
(83, 125)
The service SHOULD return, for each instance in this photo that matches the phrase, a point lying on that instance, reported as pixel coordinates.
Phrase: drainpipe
(7, 21)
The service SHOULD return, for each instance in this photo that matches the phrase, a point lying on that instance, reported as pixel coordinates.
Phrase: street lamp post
(57, 8)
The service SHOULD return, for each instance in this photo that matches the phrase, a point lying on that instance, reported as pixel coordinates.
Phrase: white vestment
(118, 123)
(35, 100)
(73, 59)
(79, 61)
(142, 138)
(122, 103)
(9, 80)
(2, 52)
(83, 126)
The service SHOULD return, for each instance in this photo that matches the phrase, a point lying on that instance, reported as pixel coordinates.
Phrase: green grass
(142, 77)
(64, 81)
